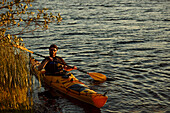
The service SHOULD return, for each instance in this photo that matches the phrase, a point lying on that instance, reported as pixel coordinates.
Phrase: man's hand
(75, 68)
(69, 68)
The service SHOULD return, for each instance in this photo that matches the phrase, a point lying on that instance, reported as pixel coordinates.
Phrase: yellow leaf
(9, 36)
(20, 20)
(15, 37)
(9, 21)
(25, 7)
(8, 6)
(38, 16)
(32, 13)
(11, 2)
(14, 22)
(41, 11)
(21, 39)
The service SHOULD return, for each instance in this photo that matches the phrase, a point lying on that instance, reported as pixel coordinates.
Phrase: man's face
(52, 51)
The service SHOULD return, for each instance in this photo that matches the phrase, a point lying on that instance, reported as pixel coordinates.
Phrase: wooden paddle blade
(98, 76)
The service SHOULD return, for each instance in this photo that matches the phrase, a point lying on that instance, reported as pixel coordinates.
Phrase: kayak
(70, 86)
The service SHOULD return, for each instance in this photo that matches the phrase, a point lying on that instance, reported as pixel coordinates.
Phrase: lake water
(126, 40)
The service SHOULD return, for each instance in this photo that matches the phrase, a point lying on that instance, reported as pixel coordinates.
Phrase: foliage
(16, 14)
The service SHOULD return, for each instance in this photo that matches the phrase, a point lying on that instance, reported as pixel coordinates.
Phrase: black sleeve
(44, 60)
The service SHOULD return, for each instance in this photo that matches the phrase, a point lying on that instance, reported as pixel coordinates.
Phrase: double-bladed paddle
(96, 76)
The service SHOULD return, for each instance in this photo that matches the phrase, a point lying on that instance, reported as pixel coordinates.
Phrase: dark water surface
(127, 40)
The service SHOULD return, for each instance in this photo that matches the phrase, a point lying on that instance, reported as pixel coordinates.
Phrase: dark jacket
(55, 66)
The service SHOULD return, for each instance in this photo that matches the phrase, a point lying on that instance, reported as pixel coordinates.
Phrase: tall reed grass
(15, 79)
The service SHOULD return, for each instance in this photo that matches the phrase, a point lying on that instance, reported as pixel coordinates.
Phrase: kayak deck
(70, 86)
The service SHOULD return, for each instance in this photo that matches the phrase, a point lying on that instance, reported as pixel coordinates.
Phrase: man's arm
(67, 67)
(44, 63)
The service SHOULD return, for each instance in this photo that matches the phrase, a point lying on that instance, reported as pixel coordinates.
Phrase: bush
(15, 79)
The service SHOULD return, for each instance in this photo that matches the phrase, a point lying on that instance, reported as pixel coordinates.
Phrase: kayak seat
(78, 87)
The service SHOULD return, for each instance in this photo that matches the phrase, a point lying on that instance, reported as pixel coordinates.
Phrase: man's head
(53, 50)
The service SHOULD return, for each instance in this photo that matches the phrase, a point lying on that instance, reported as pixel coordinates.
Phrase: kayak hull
(70, 86)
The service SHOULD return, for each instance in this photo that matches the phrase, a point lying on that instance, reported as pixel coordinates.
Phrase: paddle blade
(98, 76)
(23, 48)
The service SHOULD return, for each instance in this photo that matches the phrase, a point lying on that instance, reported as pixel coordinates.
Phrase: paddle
(23, 48)
(94, 75)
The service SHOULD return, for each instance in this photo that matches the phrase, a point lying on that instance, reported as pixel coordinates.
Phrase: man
(53, 64)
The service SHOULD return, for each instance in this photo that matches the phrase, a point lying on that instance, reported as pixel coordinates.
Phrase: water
(126, 40)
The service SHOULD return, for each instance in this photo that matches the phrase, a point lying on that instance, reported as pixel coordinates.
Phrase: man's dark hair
(53, 45)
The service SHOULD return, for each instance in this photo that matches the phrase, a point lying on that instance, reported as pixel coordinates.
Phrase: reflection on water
(128, 41)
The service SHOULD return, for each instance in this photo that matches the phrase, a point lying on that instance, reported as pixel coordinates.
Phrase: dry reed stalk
(14, 79)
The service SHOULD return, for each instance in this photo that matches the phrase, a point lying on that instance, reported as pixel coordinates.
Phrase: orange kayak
(70, 86)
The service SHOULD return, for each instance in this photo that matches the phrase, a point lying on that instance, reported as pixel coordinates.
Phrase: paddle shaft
(39, 55)
(82, 71)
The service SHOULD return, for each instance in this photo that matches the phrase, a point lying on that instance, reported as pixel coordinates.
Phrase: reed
(15, 79)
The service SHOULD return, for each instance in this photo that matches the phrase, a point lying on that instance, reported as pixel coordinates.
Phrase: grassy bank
(15, 79)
